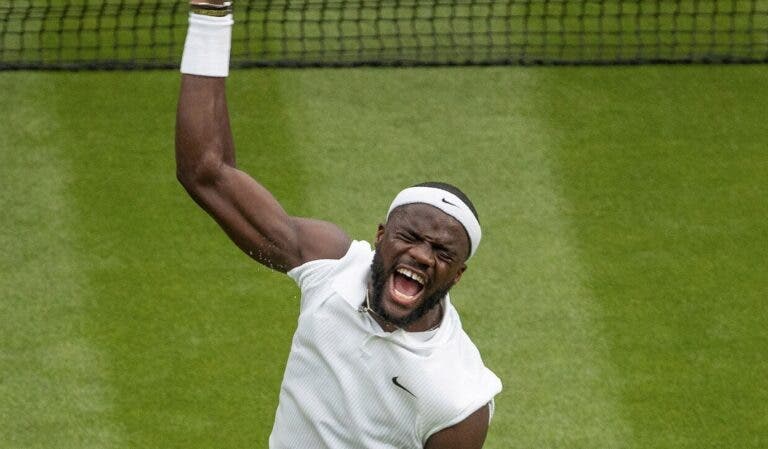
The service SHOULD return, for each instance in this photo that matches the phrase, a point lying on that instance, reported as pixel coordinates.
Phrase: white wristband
(206, 49)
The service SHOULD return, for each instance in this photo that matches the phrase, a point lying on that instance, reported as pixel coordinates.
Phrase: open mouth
(406, 286)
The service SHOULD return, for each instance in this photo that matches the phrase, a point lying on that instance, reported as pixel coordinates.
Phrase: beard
(378, 282)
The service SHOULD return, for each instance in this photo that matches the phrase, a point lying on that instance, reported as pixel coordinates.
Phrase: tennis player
(379, 359)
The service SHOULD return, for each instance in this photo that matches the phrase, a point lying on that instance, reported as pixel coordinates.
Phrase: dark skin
(424, 238)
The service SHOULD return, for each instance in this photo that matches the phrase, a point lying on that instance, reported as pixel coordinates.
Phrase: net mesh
(125, 34)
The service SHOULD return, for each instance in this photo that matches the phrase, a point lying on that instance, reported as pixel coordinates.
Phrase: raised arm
(248, 213)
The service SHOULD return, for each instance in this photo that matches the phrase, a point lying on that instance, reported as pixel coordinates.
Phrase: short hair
(451, 189)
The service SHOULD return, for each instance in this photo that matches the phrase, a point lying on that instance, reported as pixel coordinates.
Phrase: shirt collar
(352, 284)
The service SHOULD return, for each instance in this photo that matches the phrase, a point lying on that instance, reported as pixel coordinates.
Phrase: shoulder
(356, 252)
(345, 273)
(319, 240)
(469, 433)
(460, 383)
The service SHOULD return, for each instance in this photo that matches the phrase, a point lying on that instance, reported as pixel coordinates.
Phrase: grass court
(619, 292)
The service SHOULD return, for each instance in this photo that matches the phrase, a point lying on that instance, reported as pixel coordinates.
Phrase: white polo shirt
(350, 385)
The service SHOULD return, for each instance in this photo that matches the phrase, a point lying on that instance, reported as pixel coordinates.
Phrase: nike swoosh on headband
(439, 198)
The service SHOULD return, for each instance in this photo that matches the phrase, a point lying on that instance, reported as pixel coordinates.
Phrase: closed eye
(406, 237)
(443, 252)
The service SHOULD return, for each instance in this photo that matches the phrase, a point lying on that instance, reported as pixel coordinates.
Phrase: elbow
(198, 174)
(186, 175)
(185, 178)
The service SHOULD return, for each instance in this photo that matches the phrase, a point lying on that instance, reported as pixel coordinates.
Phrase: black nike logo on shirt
(448, 202)
(394, 381)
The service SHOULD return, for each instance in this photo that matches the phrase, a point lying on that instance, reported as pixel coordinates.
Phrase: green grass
(619, 291)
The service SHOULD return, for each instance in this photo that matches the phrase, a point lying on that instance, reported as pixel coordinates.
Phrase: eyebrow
(451, 247)
(444, 247)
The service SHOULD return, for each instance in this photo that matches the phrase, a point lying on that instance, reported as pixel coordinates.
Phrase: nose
(422, 254)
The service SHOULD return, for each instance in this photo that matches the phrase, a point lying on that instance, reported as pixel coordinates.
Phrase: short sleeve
(315, 277)
(312, 276)
(472, 385)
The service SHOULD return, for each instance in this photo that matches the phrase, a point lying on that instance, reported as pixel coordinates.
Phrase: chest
(384, 389)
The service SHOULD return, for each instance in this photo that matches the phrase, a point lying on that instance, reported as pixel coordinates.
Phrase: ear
(380, 233)
(460, 273)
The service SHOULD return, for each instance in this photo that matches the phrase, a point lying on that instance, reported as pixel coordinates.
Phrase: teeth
(408, 273)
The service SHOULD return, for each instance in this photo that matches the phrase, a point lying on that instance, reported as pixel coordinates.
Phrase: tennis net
(131, 34)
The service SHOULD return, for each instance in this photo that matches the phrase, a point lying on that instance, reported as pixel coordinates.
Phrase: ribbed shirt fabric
(350, 385)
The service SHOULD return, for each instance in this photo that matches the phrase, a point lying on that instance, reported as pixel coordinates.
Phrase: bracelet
(211, 10)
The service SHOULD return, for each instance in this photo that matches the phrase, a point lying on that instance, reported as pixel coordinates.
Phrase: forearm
(203, 135)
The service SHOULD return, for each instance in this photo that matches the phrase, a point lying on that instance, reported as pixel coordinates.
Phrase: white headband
(448, 203)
